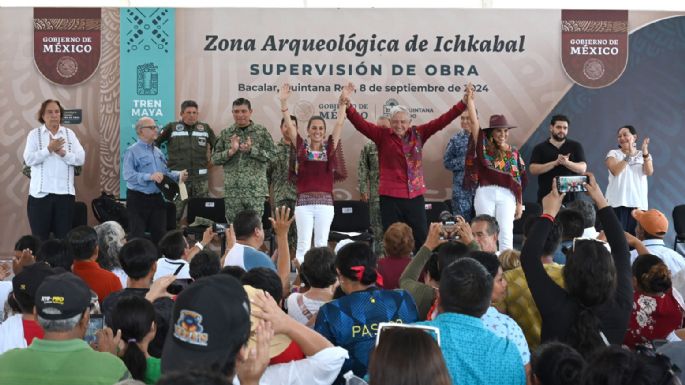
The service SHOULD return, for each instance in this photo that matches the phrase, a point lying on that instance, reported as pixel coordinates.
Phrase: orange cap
(652, 221)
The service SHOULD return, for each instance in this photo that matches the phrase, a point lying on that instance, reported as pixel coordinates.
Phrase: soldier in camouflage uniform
(369, 174)
(244, 149)
(283, 191)
(188, 141)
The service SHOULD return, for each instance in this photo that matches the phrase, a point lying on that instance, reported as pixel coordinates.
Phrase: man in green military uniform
(244, 149)
(368, 173)
(188, 142)
(283, 191)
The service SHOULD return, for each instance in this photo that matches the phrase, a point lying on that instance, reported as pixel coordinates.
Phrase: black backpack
(107, 208)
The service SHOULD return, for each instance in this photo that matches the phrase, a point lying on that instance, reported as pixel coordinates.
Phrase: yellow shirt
(519, 304)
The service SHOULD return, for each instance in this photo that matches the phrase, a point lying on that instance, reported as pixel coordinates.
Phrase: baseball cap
(62, 296)
(210, 322)
(168, 187)
(279, 342)
(652, 220)
(25, 284)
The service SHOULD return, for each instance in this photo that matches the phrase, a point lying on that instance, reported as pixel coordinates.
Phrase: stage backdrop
(418, 58)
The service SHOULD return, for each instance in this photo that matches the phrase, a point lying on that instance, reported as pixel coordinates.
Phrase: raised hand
(645, 147)
(158, 288)
(107, 341)
(281, 220)
(284, 93)
(250, 367)
(235, 144)
(25, 259)
(347, 91)
(594, 191)
(463, 230)
(433, 239)
(551, 203)
(468, 93)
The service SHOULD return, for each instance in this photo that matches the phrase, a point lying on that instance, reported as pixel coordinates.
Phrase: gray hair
(493, 226)
(586, 209)
(397, 109)
(59, 325)
(140, 124)
(111, 237)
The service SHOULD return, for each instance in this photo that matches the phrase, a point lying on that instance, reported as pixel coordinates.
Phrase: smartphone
(178, 285)
(431, 330)
(96, 323)
(574, 183)
(220, 228)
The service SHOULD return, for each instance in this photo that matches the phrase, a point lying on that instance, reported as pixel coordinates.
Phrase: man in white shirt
(52, 151)
(651, 227)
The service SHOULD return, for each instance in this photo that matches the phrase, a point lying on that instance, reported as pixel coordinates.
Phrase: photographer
(177, 253)
(441, 252)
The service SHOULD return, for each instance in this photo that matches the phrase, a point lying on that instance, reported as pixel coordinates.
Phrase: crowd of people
(420, 304)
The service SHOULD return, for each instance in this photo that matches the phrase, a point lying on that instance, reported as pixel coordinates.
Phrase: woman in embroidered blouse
(657, 307)
(628, 172)
(498, 171)
(318, 162)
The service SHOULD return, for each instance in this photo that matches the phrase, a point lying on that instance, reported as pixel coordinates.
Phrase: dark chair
(433, 210)
(351, 217)
(532, 209)
(679, 225)
(80, 217)
(209, 208)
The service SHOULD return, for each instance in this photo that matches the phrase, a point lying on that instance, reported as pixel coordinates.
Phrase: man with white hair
(400, 148)
(144, 167)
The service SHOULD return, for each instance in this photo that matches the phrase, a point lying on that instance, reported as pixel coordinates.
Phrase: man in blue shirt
(473, 354)
(145, 165)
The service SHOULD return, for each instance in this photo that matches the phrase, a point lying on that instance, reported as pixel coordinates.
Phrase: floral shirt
(454, 160)
(653, 317)
(505, 326)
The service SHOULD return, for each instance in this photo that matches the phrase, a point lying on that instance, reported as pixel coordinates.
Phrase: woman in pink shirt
(317, 163)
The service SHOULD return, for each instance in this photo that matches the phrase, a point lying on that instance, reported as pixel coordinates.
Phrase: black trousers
(52, 213)
(410, 211)
(625, 216)
(146, 212)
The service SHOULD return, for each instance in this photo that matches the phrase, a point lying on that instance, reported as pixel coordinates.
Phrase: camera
(449, 226)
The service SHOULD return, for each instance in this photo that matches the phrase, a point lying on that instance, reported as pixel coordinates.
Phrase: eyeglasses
(150, 127)
(603, 243)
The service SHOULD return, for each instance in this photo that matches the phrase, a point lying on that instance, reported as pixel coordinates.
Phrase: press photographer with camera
(435, 254)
